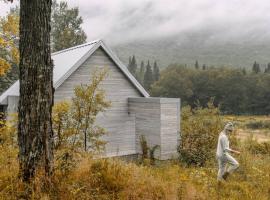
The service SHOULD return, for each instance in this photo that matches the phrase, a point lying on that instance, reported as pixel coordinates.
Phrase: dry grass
(115, 179)
(103, 179)
(107, 179)
(243, 127)
(259, 135)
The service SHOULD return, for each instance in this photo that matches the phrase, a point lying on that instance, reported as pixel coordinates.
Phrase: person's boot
(225, 175)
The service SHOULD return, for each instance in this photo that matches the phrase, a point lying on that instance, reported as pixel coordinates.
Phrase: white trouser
(222, 161)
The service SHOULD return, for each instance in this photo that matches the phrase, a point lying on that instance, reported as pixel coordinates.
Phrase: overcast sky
(129, 20)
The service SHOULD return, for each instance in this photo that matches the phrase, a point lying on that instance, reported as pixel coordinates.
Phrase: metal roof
(68, 60)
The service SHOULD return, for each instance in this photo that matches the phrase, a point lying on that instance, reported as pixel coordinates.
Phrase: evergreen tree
(148, 76)
(244, 71)
(267, 70)
(141, 72)
(66, 27)
(197, 65)
(133, 67)
(256, 68)
(204, 67)
(156, 72)
(129, 62)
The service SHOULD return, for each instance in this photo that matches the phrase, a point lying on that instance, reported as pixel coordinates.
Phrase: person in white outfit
(223, 154)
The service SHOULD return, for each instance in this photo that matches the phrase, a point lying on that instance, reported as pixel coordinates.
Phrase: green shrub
(148, 153)
(199, 134)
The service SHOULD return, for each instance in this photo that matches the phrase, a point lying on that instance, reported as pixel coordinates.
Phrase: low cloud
(121, 21)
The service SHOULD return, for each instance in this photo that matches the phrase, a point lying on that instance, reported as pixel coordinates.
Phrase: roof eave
(76, 65)
(115, 59)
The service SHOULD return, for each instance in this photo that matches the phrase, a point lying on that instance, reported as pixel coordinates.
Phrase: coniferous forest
(235, 91)
(146, 74)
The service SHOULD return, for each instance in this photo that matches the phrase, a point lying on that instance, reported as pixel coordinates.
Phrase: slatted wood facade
(170, 127)
(158, 119)
(119, 124)
(132, 113)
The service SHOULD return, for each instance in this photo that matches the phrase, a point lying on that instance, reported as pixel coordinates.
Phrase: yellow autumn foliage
(4, 66)
(9, 32)
(74, 121)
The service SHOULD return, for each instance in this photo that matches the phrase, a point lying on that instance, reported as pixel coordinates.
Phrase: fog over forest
(227, 33)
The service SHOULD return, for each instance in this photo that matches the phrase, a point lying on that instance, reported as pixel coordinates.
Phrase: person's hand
(237, 152)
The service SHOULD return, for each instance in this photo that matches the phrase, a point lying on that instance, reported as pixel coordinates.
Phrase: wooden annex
(133, 112)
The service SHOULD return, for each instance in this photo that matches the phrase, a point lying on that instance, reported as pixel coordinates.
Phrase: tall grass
(116, 179)
(78, 176)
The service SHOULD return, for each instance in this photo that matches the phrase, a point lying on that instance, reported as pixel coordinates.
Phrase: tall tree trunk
(35, 135)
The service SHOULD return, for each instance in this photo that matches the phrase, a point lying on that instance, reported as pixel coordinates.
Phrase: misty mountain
(188, 49)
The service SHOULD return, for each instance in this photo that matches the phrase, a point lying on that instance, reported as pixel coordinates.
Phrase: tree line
(146, 75)
(236, 91)
(256, 67)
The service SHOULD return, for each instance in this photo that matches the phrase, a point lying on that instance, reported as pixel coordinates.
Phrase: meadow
(256, 126)
(79, 176)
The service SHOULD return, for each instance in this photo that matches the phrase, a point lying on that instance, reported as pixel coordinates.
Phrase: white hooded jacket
(223, 146)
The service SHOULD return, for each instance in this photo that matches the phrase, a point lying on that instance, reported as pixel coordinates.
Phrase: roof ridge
(77, 62)
(76, 47)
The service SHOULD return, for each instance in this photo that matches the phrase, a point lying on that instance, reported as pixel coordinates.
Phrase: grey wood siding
(170, 127)
(116, 120)
(147, 116)
(13, 102)
(158, 119)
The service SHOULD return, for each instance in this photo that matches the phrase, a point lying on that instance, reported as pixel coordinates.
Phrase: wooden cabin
(133, 112)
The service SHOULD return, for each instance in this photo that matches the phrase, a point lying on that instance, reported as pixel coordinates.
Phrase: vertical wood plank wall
(170, 127)
(158, 119)
(147, 122)
(119, 124)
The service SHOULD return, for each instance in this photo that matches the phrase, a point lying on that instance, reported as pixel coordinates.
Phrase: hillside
(187, 49)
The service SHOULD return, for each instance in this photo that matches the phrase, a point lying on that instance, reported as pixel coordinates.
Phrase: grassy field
(107, 179)
(256, 126)
(114, 179)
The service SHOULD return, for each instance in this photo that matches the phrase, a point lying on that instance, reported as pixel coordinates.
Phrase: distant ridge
(187, 51)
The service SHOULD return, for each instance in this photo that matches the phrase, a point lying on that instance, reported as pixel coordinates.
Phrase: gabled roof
(68, 60)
